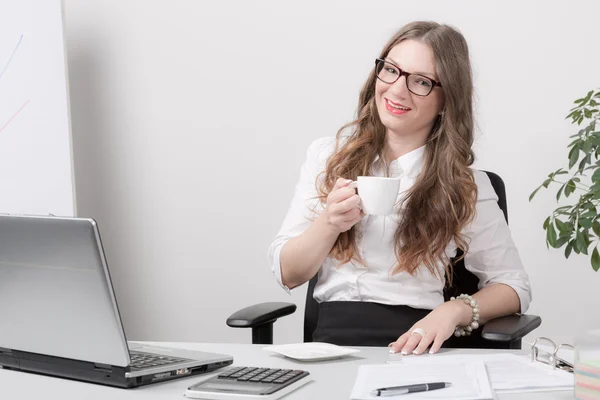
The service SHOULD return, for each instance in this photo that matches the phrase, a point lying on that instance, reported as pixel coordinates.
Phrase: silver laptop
(59, 315)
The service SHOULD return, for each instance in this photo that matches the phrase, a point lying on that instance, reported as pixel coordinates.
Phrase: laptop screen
(56, 297)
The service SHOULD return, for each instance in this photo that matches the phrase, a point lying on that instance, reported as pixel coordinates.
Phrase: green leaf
(590, 214)
(596, 228)
(570, 187)
(588, 205)
(563, 208)
(547, 182)
(587, 98)
(584, 161)
(570, 228)
(586, 237)
(573, 156)
(568, 249)
(585, 222)
(551, 235)
(597, 94)
(580, 243)
(561, 241)
(595, 259)
(587, 113)
(546, 222)
(560, 192)
(534, 192)
(562, 227)
(596, 175)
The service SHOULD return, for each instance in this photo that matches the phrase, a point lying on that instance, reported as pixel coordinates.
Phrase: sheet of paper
(507, 372)
(469, 380)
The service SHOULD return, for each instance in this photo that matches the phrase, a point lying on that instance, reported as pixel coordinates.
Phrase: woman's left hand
(436, 327)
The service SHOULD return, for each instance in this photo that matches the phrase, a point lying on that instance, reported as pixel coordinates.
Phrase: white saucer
(311, 351)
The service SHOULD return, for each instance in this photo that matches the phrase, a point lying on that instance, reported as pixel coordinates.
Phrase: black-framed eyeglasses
(417, 84)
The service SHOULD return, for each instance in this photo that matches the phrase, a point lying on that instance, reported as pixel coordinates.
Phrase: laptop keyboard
(141, 360)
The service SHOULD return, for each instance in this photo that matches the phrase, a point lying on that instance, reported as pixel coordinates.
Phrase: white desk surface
(332, 380)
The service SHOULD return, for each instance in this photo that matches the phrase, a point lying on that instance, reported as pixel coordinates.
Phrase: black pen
(406, 389)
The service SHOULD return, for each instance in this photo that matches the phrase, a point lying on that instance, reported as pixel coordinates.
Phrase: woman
(381, 279)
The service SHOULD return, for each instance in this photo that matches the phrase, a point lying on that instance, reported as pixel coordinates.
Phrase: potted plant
(578, 225)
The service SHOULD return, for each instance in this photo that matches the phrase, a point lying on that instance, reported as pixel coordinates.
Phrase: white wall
(191, 120)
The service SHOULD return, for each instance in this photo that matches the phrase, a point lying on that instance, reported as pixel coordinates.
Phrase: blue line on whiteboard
(11, 56)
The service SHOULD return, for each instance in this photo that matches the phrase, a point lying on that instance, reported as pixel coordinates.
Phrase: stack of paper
(469, 380)
(507, 372)
(587, 379)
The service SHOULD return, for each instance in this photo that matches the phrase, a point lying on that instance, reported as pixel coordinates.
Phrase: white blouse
(492, 255)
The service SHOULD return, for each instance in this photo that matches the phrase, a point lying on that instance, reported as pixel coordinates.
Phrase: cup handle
(354, 185)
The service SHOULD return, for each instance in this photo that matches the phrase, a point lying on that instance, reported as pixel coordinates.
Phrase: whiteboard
(36, 169)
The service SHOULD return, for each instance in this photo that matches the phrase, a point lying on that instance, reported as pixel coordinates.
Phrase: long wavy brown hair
(442, 200)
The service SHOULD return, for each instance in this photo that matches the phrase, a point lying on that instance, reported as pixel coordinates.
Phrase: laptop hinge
(5, 351)
(103, 367)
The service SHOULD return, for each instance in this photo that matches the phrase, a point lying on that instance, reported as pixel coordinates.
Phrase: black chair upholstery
(500, 333)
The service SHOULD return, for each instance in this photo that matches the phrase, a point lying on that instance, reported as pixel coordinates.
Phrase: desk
(333, 380)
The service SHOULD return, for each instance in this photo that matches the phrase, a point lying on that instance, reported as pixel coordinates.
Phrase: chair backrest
(463, 282)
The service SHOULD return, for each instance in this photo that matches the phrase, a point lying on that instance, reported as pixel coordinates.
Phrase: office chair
(500, 333)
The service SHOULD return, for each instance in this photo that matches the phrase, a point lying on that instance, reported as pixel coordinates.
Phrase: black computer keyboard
(141, 360)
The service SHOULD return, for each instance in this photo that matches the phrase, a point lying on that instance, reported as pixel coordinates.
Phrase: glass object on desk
(587, 365)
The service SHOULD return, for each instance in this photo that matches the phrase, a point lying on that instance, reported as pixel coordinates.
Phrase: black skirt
(358, 323)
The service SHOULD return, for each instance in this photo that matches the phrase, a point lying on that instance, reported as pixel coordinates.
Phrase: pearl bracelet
(474, 324)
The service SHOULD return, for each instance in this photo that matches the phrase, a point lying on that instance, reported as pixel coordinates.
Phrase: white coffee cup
(377, 194)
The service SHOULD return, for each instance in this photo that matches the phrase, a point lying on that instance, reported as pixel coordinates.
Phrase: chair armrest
(511, 327)
(260, 314)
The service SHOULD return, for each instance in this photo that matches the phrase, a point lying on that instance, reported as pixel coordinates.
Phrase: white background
(191, 120)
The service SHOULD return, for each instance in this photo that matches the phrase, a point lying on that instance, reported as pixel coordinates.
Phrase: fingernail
(404, 353)
(431, 351)
(416, 352)
(392, 351)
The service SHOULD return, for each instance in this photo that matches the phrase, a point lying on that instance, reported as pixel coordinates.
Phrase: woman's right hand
(342, 211)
